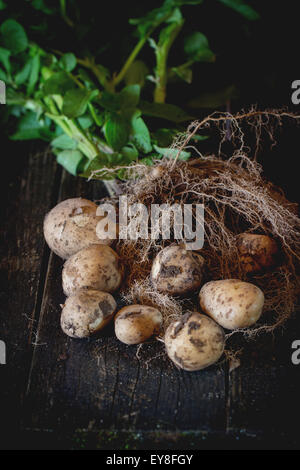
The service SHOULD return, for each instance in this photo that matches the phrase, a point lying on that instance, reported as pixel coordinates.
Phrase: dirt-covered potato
(86, 312)
(134, 324)
(71, 226)
(257, 252)
(176, 270)
(194, 342)
(95, 267)
(232, 303)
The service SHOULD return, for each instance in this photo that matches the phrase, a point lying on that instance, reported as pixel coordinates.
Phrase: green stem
(118, 78)
(162, 53)
(63, 12)
(130, 59)
(88, 148)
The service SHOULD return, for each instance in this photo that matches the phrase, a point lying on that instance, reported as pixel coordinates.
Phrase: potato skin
(71, 226)
(232, 303)
(87, 312)
(95, 267)
(257, 252)
(135, 324)
(194, 342)
(176, 270)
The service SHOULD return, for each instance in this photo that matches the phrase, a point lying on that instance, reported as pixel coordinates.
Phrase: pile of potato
(93, 272)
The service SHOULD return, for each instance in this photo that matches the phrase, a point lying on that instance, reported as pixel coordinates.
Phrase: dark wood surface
(57, 392)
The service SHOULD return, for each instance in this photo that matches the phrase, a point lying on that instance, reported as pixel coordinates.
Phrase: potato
(95, 267)
(87, 312)
(257, 252)
(194, 342)
(134, 324)
(232, 303)
(71, 226)
(176, 270)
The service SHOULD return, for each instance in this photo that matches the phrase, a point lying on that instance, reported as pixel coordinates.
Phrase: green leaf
(2, 5)
(34, 74)
(140, 134)
(3, 75)
(172, 153)
(130, 153)
(241, 7)
(185, 73)
(22, 76)
(85, 121)
(109, 101)
(130, 96)
(197, 48)
(30, 127)
(70, 160)
(40, 5)
(68, 62)
(116, 131)
(76, 101)
(165, 111)
(175, 17)
(58, 84)
(14, 37)
(214, 99)
(153, 18)
(64, 142)
(164, 137)
(4, 58)
(100, 161)
(136, 74)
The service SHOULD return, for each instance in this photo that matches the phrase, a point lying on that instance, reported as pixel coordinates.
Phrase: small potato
(176, 270)
(95, 267)
(257, 252)
(232, 303)
(194, 342)
(71, 226)
(86, 312)
(137, 323)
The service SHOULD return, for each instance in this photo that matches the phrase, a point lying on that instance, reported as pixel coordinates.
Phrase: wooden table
(57, 392)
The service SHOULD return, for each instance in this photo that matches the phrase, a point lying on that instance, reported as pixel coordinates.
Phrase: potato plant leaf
(40, 5)
(70, 160)
(197, 48)
(116, 131)
(130, 96)
(76, 101)
(22, 76)
(64, 142)
(33, 74)
(14, 37)
(140, 134)
(30, 127)
(136, 74)
(68, 62)
(4, 58)
(165, 111)
(58, 84)
(172, 153)
(241, 7)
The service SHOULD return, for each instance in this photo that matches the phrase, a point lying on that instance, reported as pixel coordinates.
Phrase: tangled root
(236, 199)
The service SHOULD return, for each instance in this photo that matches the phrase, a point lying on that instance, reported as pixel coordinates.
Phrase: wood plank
(101, 384)
(31, 189)
(264, 392)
